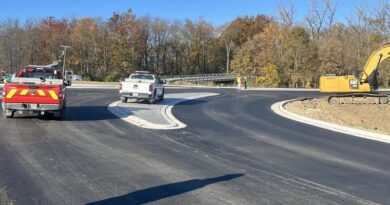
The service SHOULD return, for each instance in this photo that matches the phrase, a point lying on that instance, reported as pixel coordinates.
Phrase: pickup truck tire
(161, 98)
(152, 99)
(58, 115)
(123, 99)
(8, 113)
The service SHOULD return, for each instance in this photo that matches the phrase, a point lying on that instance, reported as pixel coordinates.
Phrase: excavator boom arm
(373, 62)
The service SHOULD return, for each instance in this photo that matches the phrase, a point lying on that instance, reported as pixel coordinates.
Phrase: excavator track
(358, 99)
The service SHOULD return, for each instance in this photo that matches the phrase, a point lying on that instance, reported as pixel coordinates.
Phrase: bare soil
(374, 118)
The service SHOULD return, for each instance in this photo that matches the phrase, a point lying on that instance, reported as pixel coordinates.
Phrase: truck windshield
(37, 73)
(142, 77)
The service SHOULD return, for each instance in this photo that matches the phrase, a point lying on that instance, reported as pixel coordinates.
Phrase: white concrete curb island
(165, 111)
(279, 109)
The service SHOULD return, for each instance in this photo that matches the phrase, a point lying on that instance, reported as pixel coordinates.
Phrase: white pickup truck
(142, 85)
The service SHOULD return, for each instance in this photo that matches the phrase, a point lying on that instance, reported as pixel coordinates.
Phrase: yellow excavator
(357, 90)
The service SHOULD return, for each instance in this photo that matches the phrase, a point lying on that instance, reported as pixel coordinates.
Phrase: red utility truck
(35, 89)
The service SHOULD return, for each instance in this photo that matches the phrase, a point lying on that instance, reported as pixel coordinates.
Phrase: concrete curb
(279, 109)
(165, 111)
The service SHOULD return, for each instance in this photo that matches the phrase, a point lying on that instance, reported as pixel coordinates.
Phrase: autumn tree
(245, 62)
(269, 77)
(229, 35)
(121, 29)
(10, 44)
(332, 49)
(301, 62)
(270, 41)
(241, 30)
(175, 48)
(83, 40)
(159, 44)
(321, 17)
(53, 33)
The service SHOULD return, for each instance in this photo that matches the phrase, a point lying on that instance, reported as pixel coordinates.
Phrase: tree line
(270, 51)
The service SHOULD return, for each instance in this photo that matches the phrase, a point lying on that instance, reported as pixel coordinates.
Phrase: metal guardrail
(196, 75)
(216, 77)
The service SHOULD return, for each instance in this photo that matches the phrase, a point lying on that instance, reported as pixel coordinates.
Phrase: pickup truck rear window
(37, 73)
(142, 77)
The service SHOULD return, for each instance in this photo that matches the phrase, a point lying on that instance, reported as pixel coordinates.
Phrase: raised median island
(374, 118)
(155, 116)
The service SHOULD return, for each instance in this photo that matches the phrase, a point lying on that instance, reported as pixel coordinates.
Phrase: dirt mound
(370, 117)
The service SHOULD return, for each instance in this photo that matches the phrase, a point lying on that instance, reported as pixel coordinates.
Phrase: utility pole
(63, 64)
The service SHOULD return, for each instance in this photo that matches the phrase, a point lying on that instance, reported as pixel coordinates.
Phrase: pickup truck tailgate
(26, 93)
(134, 87)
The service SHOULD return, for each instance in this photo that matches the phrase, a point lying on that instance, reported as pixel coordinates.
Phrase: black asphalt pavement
(235, 150)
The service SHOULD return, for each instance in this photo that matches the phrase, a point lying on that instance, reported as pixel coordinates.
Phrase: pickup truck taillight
(60, 95)
(120, 86)
(5, 90)
(150, 88)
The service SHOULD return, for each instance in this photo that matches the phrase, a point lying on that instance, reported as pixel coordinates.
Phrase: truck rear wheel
(8, 113)
(161, 98)
(59, 115)
(152, 99)
(123, 100)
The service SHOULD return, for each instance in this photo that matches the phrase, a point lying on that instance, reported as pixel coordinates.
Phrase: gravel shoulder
(369, 117)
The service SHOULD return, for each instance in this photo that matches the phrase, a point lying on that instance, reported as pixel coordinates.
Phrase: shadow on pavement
(164, 191)
(96, 113)
(78, 113)
(90, 113)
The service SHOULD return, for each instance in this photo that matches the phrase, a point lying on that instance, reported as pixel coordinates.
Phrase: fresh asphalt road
(235, 150)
